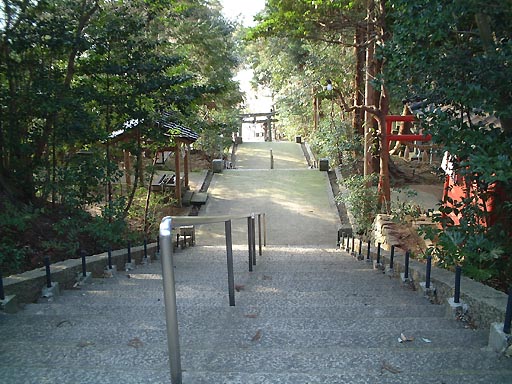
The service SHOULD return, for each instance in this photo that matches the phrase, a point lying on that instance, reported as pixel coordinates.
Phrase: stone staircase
(305, 315)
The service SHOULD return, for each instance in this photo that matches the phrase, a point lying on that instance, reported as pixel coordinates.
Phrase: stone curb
(27, 285)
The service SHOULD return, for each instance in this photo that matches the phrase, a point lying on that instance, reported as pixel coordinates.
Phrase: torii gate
(387, 136)
(259, 118)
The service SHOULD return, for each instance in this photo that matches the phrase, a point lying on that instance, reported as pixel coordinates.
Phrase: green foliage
(335, 141)
(455, 56)
(158, 204)
(402, 208)
(14, 221)
(363, 199)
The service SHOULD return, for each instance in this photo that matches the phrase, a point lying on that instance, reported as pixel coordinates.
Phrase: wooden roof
(172, 129)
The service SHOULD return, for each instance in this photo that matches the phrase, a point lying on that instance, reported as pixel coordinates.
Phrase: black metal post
(378, 253)
(48, 274)
(392, 257)
(360, 247)
(84, 264)
(429, 270)
(342, 242)
(145, 248)
(109, 257)
(249, 236)
(458, 273)
(129, 251)
(259, 234)
(158, 244)
(353, 245)
(406, 269)
(253, 228)
(368, 251)
(339, 238)
(347, 248)
(2, 293)
(229, 252)
(508, 313)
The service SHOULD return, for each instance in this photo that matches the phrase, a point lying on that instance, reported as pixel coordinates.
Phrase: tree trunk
(148, 196)
(359, 84)
(369, 89)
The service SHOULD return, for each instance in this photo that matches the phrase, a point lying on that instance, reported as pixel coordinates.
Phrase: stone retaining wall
(486, 305)
(27, 286)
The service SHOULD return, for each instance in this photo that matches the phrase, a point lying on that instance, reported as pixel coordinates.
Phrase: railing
(165, 241)
(344, 242)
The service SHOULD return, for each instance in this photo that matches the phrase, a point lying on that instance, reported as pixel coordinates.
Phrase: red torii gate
(387, 136)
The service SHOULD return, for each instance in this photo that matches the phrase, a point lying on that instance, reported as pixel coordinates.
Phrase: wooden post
(127, 167)
(177, 163)
(186, 163)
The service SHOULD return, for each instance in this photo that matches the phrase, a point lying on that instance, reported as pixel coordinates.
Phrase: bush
(362, 197)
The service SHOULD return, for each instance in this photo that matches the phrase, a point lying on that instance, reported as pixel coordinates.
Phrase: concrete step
(351, 362)
(196, 332)
(154, 308)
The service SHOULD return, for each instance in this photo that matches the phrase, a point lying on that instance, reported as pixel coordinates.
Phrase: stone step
(154, 308)
(256, 360)
(199, 334)
(91, 375)
(240, 329)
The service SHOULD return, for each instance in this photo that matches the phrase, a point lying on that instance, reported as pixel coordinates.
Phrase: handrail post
(229, 252)
(249, 239)
(259, 232)
(253, 234)
(264, 229)
(171, 312)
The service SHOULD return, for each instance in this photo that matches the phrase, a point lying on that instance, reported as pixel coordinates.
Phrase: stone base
(430, 291)
(498, 340)
(405, 279)
(53, 291)
(217, 165)
(9, 304)
(81, 279)
(454, 309)
(110, 272)
(129, 267)
(378, 266)
(146, 260)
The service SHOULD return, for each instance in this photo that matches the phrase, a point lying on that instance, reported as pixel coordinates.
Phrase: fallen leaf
(404, 338)
(239, 287)
(257, 336)
(266, 277)
(84, 344)
(135, 343)
(426, 340)
(388, 367)
(64, 322)
(251, 315)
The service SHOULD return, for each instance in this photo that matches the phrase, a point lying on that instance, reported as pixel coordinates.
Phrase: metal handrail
(165, 240)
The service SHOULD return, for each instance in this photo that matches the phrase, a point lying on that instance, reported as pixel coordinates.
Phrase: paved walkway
(298, 201)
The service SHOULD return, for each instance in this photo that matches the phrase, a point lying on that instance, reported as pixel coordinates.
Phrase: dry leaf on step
(403, 338)
(388, 367)
(135, 343)
(257, 336)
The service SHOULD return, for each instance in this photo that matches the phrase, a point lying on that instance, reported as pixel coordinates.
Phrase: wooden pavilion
(179, 141)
